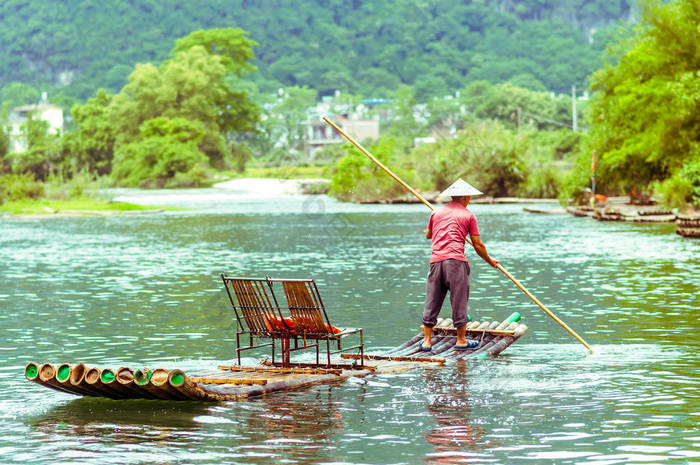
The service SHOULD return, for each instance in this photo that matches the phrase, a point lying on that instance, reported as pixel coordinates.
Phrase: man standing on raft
(448, 228)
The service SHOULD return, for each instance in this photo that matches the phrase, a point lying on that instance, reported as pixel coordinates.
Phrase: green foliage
(43, 155)
(683, 187)
(517, 107)
(18, 93)
(500, 161)
(284, 121)
(231, 44)
(444, 114)
(403, 123)
(91, 145)
(19, 186)
(240, 154)
(77, 186)
(484, 154)
(169, 122)
(647, 101)
(358, 179)
(4, 144)
(364, 47)
(164, 148)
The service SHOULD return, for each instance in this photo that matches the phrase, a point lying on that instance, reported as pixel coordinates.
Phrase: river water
(145, 291)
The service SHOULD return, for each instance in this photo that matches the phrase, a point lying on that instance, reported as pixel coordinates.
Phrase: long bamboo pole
(429, 205)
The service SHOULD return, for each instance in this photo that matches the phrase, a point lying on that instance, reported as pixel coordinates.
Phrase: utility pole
(574, 115)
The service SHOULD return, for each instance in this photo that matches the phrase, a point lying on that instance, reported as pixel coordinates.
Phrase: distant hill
(367, 47)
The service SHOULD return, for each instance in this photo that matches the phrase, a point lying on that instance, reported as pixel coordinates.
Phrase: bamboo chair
(257, 315)
(311, 320)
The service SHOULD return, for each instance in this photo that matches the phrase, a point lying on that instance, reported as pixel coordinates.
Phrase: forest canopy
(646, 102)
(362, 47)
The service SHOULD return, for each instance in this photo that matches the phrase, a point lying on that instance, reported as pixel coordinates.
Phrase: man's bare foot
(426, 345)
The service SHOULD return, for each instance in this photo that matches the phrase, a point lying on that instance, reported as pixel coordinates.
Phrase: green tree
(517, 107)
(357, 178)
(647, 100)
(231, 44)
(484, 153)
(403, 125)
(43, 155)
(193, 86)
(165, 148)
(4, 143)
(19, 93)
(90, 147)
(286, 118)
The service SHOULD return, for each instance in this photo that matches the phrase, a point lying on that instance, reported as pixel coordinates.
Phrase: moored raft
(688, 225)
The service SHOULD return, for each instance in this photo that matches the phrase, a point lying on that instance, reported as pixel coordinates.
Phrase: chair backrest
(305, 306)
(259, 311)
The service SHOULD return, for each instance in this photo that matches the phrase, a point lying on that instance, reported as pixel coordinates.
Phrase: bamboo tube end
(77, 374)
(46, 371)
(142, 377)
(176, 378)
(107, 376)
(63, 372)
(93, 375)
(31, 371)
(159, 377)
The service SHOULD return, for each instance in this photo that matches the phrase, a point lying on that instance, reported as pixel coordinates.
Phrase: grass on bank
(87, 205)
(21, 194)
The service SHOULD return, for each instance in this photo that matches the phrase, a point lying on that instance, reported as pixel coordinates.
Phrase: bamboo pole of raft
(427, 204)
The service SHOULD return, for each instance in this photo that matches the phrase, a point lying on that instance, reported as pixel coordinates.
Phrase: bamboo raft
(688, 225)
(237, 382)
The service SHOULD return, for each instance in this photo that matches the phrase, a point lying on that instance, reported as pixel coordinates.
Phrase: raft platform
(236, 382)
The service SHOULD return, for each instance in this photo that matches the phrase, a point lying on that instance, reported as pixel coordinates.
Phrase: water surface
(145, 291)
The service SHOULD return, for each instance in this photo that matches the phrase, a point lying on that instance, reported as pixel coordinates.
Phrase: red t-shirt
(451, 225)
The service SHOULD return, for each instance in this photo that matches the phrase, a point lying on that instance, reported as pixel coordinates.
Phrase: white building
(52, 114)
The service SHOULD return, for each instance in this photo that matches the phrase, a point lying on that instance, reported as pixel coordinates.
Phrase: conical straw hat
(461, 187)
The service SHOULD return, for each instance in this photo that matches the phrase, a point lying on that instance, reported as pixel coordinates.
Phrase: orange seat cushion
(333, 329)
(275, 324)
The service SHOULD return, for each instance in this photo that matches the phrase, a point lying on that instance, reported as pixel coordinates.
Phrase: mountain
(366, 47)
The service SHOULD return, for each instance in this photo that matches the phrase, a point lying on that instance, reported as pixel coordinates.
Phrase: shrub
(19, 186)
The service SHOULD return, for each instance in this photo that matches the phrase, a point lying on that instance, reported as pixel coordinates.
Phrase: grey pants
(447, 275)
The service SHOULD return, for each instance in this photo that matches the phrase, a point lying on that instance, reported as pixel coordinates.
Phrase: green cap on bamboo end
(176, 378)
(515, 316)
(107, 376)
(63, 372)
(31, 371)
(482, 356)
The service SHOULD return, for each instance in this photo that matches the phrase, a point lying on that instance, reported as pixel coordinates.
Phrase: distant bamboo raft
(239, 382)
(688, 226)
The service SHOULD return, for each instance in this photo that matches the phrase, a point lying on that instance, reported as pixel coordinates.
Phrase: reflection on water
(454, 437)
(145, 290)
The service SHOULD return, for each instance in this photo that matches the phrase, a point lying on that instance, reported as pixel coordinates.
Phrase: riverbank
(42, 208)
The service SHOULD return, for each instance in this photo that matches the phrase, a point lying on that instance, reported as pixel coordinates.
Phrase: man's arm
(480, 249)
